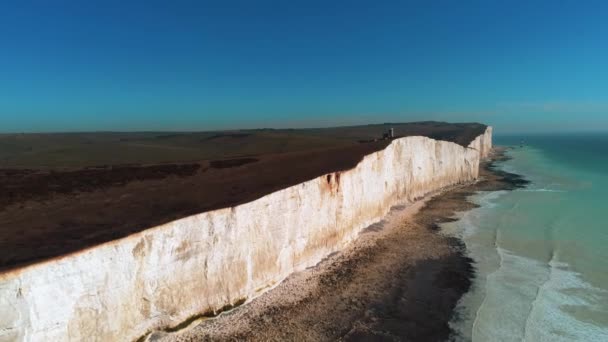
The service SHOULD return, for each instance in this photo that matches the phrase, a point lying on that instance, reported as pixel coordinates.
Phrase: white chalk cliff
(123, 289)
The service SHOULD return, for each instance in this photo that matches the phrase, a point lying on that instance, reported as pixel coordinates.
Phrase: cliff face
(164, 275)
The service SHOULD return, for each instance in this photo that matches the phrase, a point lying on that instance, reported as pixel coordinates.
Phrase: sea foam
(518, 298)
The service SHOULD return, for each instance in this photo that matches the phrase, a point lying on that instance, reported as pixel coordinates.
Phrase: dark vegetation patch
(227, 135)
(168, 136)
(227, 163)
(21, 185)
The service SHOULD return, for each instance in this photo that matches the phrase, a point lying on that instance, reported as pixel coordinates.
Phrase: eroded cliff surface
(162, 276)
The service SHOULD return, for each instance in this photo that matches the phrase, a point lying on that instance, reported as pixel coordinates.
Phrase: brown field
(60, 193)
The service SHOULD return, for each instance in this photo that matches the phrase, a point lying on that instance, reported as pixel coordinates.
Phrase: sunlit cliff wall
(158, 278)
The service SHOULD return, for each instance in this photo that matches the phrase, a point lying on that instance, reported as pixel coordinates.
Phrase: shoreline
(400, 279)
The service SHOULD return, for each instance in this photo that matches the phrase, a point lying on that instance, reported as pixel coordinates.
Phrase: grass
(72, 150)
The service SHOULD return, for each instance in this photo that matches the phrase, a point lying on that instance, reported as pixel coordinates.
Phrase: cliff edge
(159, 277)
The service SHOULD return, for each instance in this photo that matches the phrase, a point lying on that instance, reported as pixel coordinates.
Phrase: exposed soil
(400, 281)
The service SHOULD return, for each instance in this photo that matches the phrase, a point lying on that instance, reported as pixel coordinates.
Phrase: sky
(521, 66)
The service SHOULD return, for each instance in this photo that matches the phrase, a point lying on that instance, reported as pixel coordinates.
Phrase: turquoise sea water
(541, 253)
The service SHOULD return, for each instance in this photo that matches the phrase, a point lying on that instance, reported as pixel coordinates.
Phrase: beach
(400, 280)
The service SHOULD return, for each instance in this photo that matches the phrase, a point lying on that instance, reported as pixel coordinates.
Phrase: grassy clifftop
(73, 150)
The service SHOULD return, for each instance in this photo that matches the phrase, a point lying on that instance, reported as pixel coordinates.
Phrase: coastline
(401, 279)
(197, 266)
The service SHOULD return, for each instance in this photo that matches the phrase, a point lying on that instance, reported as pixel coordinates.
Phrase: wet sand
(399, 281)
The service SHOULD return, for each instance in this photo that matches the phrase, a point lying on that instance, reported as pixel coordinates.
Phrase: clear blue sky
(196, 65)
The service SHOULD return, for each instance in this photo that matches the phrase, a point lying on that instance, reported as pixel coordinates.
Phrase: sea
(540, 252)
